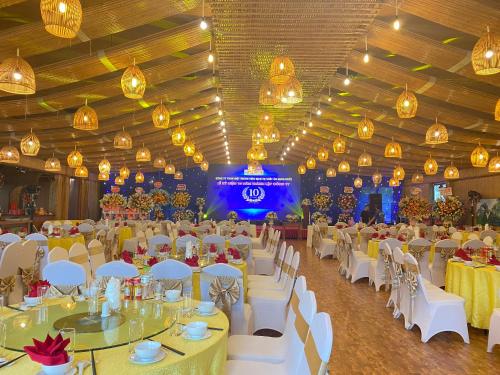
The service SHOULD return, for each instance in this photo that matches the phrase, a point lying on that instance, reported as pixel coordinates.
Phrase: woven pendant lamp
(189, 148)
(52, 164)
(204, 165)
(430, 166)
(104, 166)
(119, 180)
(159, 162)
(479, 157)
(267, 94)
(30, 145)
(365, 160)
(310, 163)
(290, 92)
(103, 176)
(81, 172)
(75, 159)
(61, 18)
(436, 134)
(143, 154)
(161, 116)
(272, 136)
(377, 178)
(339, 145)
(133, 82)
(393, 182)
(139, 177)
(497, 111)
(494, 164)
(282, 105)
(281, 70)
(266, 120)
(253, 166)
(17, 76)
(417, 178)
(331, 172)
(9, 154)
(178, 175)
(323, 154)
(122, 140)
(198, 157)
(124, 172)
(365, 128)
(486, 54)
(393, 150)
(169, 169)
(301, 169)
(344, 167)
(399, 173)
(358, 183)
(85, 118)
(451, 172)
(178, 136)
(407, 104)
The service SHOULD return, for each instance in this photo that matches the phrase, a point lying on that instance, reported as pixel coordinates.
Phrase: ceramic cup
(196, 329)
(206, 307)
(172, 295)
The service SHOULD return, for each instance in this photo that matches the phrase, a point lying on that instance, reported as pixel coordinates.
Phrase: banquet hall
(249, 187)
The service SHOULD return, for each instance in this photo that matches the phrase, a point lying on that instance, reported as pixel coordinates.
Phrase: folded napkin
(234, 252)
(213, 248)
(182, 233)
(152, 261)
(494, 261)
(375, 235)
(165, 249)
(127, 256)
(462, 254)
(33, 288)
(382, 237)
(74, 230)
(192, 262)
(51, 352)
(192, 233)
(125, 224)
(401, 238)
(117, 224)
(141, 250)
(221, 258)
(244, 233)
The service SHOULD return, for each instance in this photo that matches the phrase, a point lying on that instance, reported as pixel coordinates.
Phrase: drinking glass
(40, 292)
(158, 288)
(93, 305)
(135, 332)
(69, 333)
(187, 303)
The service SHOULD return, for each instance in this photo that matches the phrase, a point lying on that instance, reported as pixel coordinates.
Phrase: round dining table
(65, 241)
(373, 247)
(108, 338)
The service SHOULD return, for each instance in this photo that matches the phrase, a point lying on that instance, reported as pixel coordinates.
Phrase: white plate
(71, 371)
(205, 314)
(187, 337)
(139, 361)
(239, 261)
(169, 301)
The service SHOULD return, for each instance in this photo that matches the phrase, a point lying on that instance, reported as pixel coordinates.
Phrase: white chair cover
(118, 269)
(157, 241)
(64, 272)
(173, 269)
(473, 244)
(78, 253)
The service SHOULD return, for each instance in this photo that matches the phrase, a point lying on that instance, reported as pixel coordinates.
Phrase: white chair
(271, 243)
(429, 307)
(274, 282)
(473, 236)
(443, 250)
(488, 233)
(323, 247)
(488, 241)
(264, 348)
(171, 269)
(270, 237)
(96, 255)
(365, 236)
(420, 248)
(269, 306)
(214, 239)
(473, 244)
(258, 243)
(148, 234)
(494, 334)
(118, 269)
(111, 250)
(244, 245)
(353, 233)
(87, 232)
(309, 358)
(264, 261)
(359, 262)
(8, 238)
(241, 312)
(78, 253)
(397, 258)
(56, 254)
(457, 237)
(377, 268)
(157, 241)
(65, 273)
(43, 247)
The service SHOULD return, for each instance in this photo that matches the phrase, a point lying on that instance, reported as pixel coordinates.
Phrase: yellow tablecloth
(124, 234)
(373, 246)
(65, 242)
(479, 287)
(205, 357)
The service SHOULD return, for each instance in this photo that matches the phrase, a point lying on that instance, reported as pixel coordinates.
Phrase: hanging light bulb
(331, 172)
(347, 81)
(139, 177)
(366, 56)
(104, 166)
(358, 183)
(396, 25)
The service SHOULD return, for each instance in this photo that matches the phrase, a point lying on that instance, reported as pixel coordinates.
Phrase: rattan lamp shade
(301, 169)
(479, 157)
(399, 173)
(133, 82)
(61, 18)
(494, 164)
(417, 178)
(178, 137)
(9, 155)
(104, 166)
(103, 176)
(17, 76)
(161, 116)
(310, 163)
(393, 182)
(267, 94)
(178, 175)
(436, 134)
(486, 54)
(393, 150)
(266, 121)
(344, 167)
(497, 111)
(331, 172)
(189, 148)
(81, 172)
(204, 165)
(119, 180)
(75, 159)
(52, 165)
(407, 104)
(358, 183)
(290, 92)
(159, 162)
(198, 157)
(143, 155)
(30, 145)
(169, 169)
(365, 128)
(323, 154)
(430, 166)
(377, 178)
(281, 70)
(124, 172)
(365, 160)
(122, 140)
(257, 152)
(451, 172)
(85, 118)
(139, 177)
(339, 145)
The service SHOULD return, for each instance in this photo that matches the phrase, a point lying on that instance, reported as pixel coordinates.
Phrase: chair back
(291, 274)
(488, 241)
(101, 236)
(488, 233)
(156, 242)
(457, 237)
(10, 285)
(148, 233)
(181, 243)
(279, 261)
(28, 261)
(452, 230)
(79, 254)
(118, 269)
(8, 238)
(365, 236)
(473, 244)
(96, 255)
(65, 273)
(473, 236)
(43, 247)
(243, 244)
(171, 269)
(56, 254)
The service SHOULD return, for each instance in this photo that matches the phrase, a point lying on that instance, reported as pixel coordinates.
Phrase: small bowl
(31, 301)
(58, 369)
(172, 294)
(196, 329)
(206, 307)
(147, 350)
(497, 268)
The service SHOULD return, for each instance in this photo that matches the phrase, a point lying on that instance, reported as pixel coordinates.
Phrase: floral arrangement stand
(113, 206)
(141, 202)
(271, 216)
(414, 208)
(347, 203)
(200, 202)
(232, 216)
(449, 210)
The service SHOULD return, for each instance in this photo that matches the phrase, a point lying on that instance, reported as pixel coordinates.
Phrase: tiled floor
(367, 340)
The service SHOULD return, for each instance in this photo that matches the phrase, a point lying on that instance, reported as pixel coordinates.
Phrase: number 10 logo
(253, 195)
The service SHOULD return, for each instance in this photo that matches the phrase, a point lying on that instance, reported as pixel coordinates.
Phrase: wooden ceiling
(431, 53)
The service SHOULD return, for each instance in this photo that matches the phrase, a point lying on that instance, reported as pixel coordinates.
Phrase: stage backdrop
(274, 188)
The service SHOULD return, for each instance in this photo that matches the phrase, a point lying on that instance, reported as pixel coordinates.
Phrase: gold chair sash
(243, 249)
(301, 326)
(96, 250)
(80, 259)
(224, 291)
(62, 290)
(418, 251)
(171, 284)
(27, 275)
(7, 284)
(316, 365)
(446, 252)
(411, 278)
(42, 243)
(294, 302)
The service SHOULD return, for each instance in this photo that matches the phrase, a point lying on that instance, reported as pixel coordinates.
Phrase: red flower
(152, 261)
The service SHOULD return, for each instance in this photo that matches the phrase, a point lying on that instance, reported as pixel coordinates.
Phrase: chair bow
(243, 250)
(27, 276)
(7, 284)
(224, 292)
(56, 291)
(171, 284)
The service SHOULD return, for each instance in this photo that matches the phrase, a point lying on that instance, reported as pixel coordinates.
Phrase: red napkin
(462, 254)
(125, 224)
(141, 250)
(375, 235)
(182, 233)
(127, 257)
(193, 234)
(192, 262)
(401, 238)
(244, 233)
(382, 237)
(234, 252)
(33, 289)
(74, 230)
(117, 224)
(152, 261)
(339, 226)
(221, 258)
(213, 248)
(51, 352)
(494, 261)
(197, 225)
(165, 249)
(233, 234)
